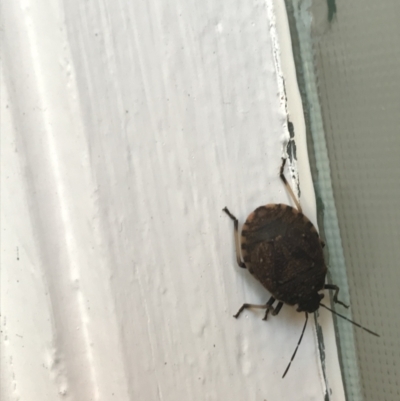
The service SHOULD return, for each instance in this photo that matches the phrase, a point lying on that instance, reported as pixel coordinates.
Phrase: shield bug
(282, 249)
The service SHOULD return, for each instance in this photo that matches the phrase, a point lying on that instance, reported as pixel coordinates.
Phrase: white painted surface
(126, 128)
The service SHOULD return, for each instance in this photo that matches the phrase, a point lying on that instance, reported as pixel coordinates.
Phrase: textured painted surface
(127, 127)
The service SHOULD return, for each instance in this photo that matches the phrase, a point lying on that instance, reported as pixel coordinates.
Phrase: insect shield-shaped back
(282, 249)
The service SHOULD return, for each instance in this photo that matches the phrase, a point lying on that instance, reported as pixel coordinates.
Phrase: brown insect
(282, 249)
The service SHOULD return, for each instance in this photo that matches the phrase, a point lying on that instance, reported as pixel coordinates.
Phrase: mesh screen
(354, 55)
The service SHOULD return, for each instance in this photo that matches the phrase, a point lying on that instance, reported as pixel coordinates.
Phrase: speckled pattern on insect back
(280, 236)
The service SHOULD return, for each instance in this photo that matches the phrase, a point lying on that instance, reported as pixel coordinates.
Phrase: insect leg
(335, 295)
(267, 306)
(237, 239)
(289, 189)
(278, 308)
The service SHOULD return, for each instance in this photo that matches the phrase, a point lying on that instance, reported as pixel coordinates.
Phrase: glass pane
(347, 58)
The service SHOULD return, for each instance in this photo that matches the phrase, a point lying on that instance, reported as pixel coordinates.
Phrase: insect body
(281, 248)
(284, 240)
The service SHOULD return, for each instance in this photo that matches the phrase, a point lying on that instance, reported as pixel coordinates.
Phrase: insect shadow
(282, 249)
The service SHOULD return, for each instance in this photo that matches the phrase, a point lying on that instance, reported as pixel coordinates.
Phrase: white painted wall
(126, 127)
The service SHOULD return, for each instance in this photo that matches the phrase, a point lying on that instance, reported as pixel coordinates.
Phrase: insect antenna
(345, 318)
(297, 346)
